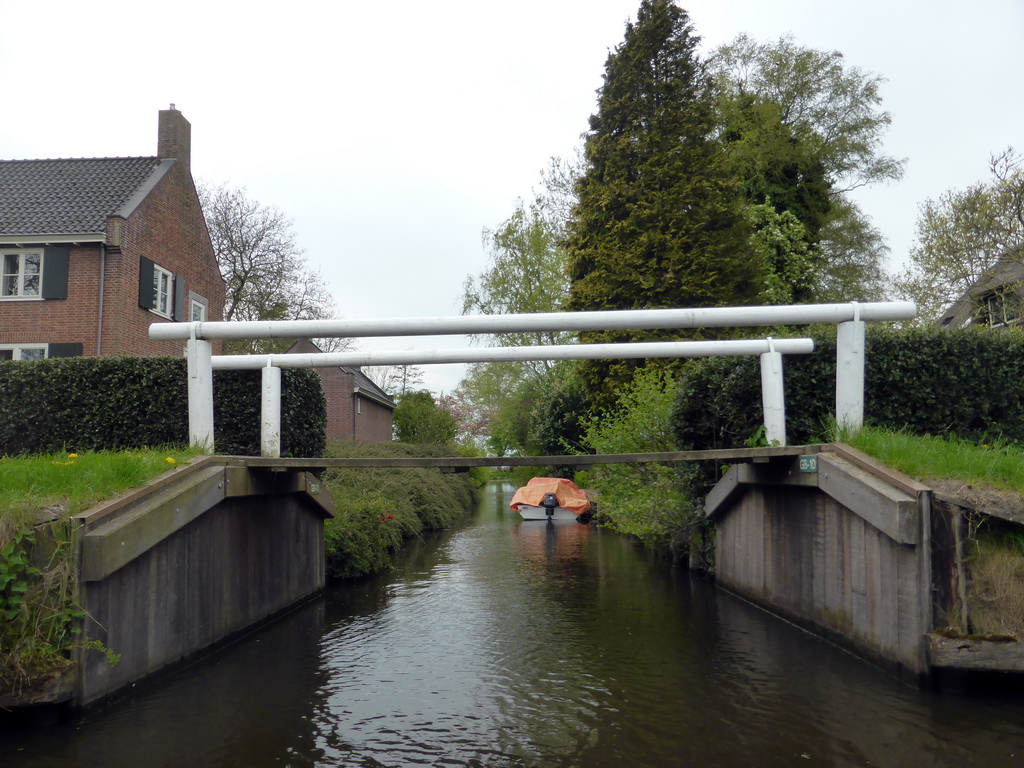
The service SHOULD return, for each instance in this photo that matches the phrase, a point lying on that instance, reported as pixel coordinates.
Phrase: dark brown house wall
(349, 416)
(372, 421)
(338, 389)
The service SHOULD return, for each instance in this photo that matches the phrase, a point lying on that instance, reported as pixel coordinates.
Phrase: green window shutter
(65, 350)
(55, 272)
(147, 294)
(179, 298)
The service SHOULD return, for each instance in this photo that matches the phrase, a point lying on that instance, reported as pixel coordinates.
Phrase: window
(197, 314)
(999, 309)
(22, 352)
(22, 275)
(163, 291)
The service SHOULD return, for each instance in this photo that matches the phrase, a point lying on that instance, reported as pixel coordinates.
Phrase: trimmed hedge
(115, 403)
(967, 382)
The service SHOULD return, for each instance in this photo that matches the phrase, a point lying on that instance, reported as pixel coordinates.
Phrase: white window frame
(20, 349)
(20, 275)
(163, 300)
(1001, 308)
(195, 304)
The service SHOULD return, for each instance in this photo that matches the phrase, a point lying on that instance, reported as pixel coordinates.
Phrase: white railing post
(850, 371)
(773, 398)
(200, 391)
(850, 350)
(270, 428)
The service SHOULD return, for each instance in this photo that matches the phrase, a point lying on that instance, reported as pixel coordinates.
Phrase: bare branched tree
(396, 380)
(267, 274)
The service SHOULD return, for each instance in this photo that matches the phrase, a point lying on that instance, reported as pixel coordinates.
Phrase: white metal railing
(849, 354)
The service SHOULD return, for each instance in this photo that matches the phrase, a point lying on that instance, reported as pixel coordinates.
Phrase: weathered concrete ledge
(195, 557)
(836, 542)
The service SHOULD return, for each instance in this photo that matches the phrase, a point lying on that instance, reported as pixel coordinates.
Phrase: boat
(550, 498)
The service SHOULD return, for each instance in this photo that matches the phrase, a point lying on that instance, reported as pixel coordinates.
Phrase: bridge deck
(468, 462)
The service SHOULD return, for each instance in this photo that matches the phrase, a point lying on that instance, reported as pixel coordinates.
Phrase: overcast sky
(393, 132)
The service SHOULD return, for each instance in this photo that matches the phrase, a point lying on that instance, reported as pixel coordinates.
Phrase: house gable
(357, 409)
(98, 223)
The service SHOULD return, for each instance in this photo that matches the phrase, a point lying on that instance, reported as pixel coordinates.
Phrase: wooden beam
(116, 541)
(586, 460)
(975, 654)
(889, 509)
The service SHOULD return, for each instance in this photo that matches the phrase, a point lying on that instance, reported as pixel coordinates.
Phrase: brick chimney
(174, 137)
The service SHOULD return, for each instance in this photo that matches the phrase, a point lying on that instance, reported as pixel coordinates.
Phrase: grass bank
(990, 476)
(378, 510)
(38, 494)
(999, 465)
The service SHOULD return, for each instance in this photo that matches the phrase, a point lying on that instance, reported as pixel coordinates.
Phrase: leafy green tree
(789, 260)
(830, 106)
(418, 419)
(493, 404)
(802, 129)
(653, 502)
(526, 274)
(658, 222)
(963, 234)
(852, 265)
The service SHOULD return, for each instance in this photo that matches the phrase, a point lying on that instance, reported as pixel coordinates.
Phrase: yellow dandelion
(72, 455)
(170, 460)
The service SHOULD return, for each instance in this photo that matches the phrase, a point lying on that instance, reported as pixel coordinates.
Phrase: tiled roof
(67, 196)
(365, 383)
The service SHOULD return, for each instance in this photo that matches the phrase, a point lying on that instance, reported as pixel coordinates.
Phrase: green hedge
(968, 382)
(114, 403)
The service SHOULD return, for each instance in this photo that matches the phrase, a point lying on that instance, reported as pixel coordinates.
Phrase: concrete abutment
(185, 563)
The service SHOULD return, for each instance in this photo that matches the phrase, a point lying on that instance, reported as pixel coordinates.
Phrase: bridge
(819, 534)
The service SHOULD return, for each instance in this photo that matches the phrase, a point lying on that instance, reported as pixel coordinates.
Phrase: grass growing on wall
(377, 510)
(70, 482)
(38, 495)
(999, 464)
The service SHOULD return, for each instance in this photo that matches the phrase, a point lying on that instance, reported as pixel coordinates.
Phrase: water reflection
(512, 643)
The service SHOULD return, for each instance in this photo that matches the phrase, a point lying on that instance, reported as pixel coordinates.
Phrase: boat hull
(530, 512)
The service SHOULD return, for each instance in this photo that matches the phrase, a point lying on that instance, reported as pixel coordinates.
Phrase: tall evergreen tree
(658, 222)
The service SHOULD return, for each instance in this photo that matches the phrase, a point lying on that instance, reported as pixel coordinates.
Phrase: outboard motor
(549, 504)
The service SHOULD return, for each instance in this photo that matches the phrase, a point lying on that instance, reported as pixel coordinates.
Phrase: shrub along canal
(509, 643)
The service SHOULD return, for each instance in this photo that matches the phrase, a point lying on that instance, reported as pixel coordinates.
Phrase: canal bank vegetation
(655, 503)
(928, 413)
(38, 494)
(378, 510)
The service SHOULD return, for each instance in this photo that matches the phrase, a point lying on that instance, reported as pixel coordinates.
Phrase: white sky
(393, 132)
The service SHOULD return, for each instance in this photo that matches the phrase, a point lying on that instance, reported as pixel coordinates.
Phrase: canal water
(509, 643)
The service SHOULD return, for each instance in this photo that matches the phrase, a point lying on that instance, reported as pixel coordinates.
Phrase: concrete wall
(843, 551)
(188, 563)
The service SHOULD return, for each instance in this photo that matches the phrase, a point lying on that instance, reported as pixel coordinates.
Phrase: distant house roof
(72, 197)
(366, 387)
(1008, 272)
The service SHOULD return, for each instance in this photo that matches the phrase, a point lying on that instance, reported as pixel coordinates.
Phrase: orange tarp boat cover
(568, 495)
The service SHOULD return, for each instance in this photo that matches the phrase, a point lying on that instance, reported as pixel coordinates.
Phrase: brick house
(93, 250)
(357, 409)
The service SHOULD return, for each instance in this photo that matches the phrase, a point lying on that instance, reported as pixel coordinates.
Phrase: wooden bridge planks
(468, 462)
